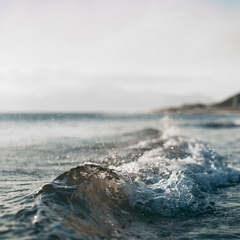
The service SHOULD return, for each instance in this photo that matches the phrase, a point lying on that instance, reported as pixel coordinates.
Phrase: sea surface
(113, 176)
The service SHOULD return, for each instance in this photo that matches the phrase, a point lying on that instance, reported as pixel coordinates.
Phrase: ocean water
(106, 176)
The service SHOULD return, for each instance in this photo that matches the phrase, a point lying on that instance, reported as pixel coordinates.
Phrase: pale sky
(56, 47)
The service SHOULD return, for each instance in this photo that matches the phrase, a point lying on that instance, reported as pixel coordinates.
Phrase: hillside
(231, 104)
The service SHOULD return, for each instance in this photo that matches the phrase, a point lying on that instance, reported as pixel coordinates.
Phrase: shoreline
(197, 111)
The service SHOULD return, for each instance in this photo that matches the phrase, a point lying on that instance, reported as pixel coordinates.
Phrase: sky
(55, 49)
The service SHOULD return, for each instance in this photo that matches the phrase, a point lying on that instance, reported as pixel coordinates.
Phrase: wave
(159, 177)
(233, 124)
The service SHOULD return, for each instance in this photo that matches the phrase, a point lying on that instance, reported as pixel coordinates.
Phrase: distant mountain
(113, 99)
(230, 104)
(103, 98)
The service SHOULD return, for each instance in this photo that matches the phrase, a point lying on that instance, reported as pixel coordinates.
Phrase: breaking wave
(138, 181)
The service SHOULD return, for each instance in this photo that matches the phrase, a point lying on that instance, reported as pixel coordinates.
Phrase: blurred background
(117, 56)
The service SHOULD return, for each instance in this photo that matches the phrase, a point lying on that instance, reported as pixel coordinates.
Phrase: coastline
(197, 111)
(230, 105)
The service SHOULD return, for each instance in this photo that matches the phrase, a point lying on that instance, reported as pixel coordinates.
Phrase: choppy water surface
(90, 176)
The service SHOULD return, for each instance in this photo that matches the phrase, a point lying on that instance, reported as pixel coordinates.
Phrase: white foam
(175, 176)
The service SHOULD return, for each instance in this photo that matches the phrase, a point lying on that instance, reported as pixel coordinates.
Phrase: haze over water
(78, 56)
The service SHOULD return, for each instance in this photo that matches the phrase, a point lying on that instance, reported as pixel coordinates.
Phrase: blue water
(90, 176)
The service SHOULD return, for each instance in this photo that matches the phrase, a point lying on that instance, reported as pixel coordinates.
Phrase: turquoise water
(140, 176)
